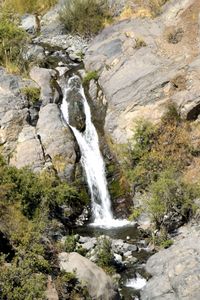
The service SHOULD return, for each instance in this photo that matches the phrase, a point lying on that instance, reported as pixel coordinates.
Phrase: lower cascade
(91, 158)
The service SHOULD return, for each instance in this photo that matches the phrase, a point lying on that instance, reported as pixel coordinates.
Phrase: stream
(103, 221)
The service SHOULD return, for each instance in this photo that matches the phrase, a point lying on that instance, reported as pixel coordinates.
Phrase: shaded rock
(28, 151)
(76, 107)
(57, 140)
(99, 285)
(43, 77)
(175, 271)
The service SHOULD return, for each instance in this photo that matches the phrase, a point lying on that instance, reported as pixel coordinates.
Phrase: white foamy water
(136, 283)
(93, 164)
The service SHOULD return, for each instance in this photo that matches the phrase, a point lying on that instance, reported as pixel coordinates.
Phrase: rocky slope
(175, 271)
(144, 63)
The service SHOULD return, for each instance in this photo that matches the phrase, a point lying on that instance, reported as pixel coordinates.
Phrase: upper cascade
(91, 158)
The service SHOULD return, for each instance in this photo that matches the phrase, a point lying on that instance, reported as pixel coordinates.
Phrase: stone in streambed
(99, 285)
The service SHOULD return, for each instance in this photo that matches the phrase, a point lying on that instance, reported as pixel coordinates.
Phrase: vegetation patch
(29, 6)
(32, 94)
(92, 75)
(12, 39)
(155, 161)
(27, 203)
(86, 17)
(139, 43)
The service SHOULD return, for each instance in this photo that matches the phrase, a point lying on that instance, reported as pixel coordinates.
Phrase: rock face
(57, 140)
(175, 271)
(49, 143)
(144, 63)
(43, 77)
(99, 285)
(76, 107)
(28, 150)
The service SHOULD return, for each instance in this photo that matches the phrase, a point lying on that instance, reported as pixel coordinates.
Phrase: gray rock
(119, 246)
(28, 151)
(57, 140)
(43, 77)
(28, 23)
(176, 271)
(138, 81)
(10, 127)
(99, 285)
(34, 53)
(14, 111)
(118, 257)
(76, 107)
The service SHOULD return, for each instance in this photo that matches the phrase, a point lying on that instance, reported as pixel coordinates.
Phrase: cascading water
(91, 159)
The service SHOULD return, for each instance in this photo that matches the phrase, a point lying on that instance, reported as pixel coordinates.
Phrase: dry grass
(144, 9)
(29, 6)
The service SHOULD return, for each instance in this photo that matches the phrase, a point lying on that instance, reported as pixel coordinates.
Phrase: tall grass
(29, 6)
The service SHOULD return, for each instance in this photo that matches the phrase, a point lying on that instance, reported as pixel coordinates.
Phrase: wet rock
(99, 285)
(76, 107)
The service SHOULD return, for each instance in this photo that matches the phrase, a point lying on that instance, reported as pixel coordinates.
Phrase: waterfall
(91, 159)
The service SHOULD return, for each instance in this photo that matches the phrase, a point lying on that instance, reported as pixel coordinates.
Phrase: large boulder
(13, 109)
(44, 78)
(143, 63)
(175, 271)
(28, 151)
(57, 140)
(99, 285)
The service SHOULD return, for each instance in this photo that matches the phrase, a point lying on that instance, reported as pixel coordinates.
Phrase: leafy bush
(69, 288)
(93, 75)
(153, 149)
(85, 17)
(169, 194)
(105, 256)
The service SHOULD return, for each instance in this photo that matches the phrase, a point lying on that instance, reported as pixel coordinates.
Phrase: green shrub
(19, 282)
(32, 94)
(139, 43)
(68, 287)
(170, 194)
(104, 252)
(171, 113)
(93, 75)
(135, 214)
(85, 17)
(70, 243)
